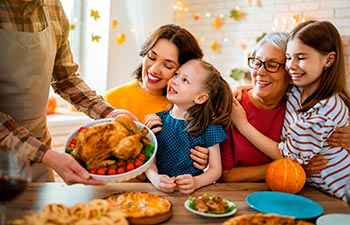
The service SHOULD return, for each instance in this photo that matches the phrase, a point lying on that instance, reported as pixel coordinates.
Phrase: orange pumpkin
(285, 175)
(51, 105)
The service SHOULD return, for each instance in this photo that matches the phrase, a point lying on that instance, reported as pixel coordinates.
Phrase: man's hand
(117, 112)
(68, 168)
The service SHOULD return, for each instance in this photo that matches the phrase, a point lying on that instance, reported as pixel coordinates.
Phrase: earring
(325, 68)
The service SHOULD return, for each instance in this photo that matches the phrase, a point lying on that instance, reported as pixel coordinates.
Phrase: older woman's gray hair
(276, 39)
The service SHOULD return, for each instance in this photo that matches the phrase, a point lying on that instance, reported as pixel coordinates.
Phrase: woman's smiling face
(266, 84)
(159, 65)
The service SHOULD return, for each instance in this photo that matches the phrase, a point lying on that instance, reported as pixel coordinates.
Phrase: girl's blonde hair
(217, 109)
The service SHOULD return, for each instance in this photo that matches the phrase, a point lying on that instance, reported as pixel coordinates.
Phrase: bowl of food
(210, 205)
(113, 149)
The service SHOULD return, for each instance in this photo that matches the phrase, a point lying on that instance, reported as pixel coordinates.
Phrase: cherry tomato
(101, 171)
(141, 156)
(138, 163)
(120, 163)
(73, 141)
(129, 166)
(111, 171)
(93, 171)
(120, 170)
(81, 129)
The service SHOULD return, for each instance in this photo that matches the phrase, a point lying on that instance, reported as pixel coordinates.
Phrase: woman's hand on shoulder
(153, 122)
(316, 165)
(340, 138)
(200, 156)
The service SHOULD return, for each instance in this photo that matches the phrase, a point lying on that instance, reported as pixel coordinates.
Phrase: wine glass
(14, 175)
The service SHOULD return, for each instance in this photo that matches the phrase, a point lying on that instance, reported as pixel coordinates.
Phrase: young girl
(162, 52)
(202, 104)
(317, 104)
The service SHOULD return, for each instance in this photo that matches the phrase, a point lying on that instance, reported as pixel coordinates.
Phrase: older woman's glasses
(270, 66)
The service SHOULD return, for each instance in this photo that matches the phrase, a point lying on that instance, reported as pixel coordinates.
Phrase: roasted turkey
(119, 138)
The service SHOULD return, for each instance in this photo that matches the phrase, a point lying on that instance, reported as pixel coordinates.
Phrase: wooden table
(39, 194)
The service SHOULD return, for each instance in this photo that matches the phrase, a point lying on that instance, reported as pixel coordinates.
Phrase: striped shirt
(28, 16)
(304, 135)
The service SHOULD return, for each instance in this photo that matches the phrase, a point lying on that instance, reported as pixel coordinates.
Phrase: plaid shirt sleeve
(16, 137)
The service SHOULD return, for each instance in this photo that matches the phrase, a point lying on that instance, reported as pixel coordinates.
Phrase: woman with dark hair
(163, 52)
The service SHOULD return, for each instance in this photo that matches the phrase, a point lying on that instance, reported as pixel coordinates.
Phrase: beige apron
(26, 65)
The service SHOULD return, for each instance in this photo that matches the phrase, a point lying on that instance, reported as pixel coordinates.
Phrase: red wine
(10, 187)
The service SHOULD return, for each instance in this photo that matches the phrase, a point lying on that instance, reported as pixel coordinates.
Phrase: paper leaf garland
(120, 38)
(114, 24)
(219, 20)
(72, 26)
(95, 38)
(196, 16)
(237, 14)
(95, 14)
(295, 19)
(215, 46)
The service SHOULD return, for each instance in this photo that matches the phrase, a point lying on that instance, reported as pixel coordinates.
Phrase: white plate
(335, 219)
(187, 206)
(127, 175)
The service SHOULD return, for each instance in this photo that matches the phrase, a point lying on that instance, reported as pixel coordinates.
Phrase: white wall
(137, 18)
(268, 16)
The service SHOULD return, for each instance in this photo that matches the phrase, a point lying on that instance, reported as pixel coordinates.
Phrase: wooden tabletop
(39, 194)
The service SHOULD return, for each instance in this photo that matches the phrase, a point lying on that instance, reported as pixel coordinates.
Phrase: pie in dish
(142, 207)
(267, 219)
(97, 211)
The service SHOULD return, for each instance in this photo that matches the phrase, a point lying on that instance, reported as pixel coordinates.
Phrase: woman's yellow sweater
(132, 97)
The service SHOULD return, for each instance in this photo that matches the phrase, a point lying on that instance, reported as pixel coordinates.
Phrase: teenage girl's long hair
(325, 38)
(217, 109)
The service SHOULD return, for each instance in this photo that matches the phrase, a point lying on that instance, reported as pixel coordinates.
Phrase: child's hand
(165, 183)
(153, 122)
(185, 183)
(239, 116)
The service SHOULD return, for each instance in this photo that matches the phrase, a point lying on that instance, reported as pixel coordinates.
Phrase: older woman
(265, 107)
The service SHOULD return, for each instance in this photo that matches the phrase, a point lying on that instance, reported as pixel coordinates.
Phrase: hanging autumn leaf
(72, 26)
(237, 14)
(260, 37)
(114, 24)
(215, 46)
(95, 14)
(296, 18)
(120, 38)
(258, 2)
(95, 38)
(196, 16)
(219, 20)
